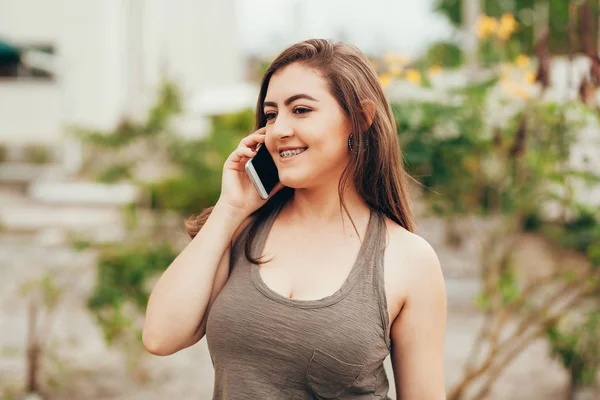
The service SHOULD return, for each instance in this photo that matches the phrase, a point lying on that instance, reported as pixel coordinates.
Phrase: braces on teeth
(288, 153)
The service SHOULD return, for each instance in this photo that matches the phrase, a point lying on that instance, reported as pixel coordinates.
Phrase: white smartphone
(262, 171)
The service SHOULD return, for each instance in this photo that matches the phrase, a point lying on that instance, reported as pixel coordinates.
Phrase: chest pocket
(328, 376)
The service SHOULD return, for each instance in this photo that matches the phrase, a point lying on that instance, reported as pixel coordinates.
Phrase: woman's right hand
(237, 190)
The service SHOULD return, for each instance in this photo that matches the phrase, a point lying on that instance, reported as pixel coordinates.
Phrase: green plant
(44, 295)
(523, 10)
(192, 182)
(444, 54)
(167, 105)
(121, 292)
(115, 173)
(197, 182)
(3, 153)
(444, 147)
(578, 349)
(37, 154)
(507, 171)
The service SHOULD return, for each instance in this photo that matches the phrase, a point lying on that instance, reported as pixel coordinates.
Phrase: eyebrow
(290, 100)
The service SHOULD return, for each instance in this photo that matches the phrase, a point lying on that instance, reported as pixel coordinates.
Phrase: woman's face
(306, 130)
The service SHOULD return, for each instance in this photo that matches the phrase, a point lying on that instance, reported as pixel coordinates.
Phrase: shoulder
(411, 261)
(419, 326)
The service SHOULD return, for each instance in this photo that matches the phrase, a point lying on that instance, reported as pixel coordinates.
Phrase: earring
(351, 142)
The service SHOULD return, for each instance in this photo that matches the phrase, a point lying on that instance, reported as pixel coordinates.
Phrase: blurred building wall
(111, 55)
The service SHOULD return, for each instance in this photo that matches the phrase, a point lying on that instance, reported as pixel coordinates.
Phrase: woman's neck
(322, 206)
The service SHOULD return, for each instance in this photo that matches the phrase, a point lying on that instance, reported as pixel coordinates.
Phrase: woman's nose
(281, 127)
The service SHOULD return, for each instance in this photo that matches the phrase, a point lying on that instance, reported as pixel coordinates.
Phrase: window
(31, 60)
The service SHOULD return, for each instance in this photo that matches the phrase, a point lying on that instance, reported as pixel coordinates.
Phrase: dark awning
(9, 54)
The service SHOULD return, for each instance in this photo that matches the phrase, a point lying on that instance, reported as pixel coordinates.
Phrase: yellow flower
(413, 76)
(395, 70)
(530, 77)
(522, 93)
(486, 26)
(385, 79)
(507, 26)
(522, 61)
(506, 71)
(503, 34)
(509, 87)
(397, 59)
(506, 85)
(436, 69)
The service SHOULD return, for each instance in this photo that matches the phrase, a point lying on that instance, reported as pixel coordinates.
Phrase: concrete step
(52, 223)
(19, 175)
(83, 193)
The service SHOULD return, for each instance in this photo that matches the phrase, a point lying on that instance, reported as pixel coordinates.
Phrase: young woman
(296, 304)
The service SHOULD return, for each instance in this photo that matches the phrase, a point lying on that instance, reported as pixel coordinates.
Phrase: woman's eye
(297, 110)
(305, 110)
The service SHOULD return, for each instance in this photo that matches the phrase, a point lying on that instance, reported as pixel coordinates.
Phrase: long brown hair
(376, 160)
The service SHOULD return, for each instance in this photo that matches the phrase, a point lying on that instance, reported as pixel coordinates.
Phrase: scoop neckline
(260, 284)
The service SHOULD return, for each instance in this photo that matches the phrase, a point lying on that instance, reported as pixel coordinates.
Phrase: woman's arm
(418, 332)
(179, 303)
(220, 280)
(175, 316)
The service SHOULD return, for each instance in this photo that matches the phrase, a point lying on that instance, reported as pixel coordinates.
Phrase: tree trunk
(541, 22)
(33, 350)
(572, 389)
(454, 233)
(470, 12)
(598, 30)
(33, 363)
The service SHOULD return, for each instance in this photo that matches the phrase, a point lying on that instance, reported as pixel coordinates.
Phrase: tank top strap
(262, 229)
(371, 249)
(375, 239)
(378, 255)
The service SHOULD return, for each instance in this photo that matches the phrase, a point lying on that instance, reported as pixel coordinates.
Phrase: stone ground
(90, 370)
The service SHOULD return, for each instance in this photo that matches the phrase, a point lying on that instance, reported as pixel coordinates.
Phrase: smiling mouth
(291, 153)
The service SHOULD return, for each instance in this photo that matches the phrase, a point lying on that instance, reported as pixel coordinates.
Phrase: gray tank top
(266, 346)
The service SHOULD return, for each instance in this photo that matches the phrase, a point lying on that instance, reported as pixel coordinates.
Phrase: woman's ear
(368, 110)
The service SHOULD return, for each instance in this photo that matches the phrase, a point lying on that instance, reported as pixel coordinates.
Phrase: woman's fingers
(245, 151)
(253, 139)
(247, 147)
(240, 153)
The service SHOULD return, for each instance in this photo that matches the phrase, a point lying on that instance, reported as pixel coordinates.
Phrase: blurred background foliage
(193, 166)
(197, 184)
(525, 14)
(444, 54)
(189, 180)
(465, 165)
(578, 348)
(483, 132)
(493, 147)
